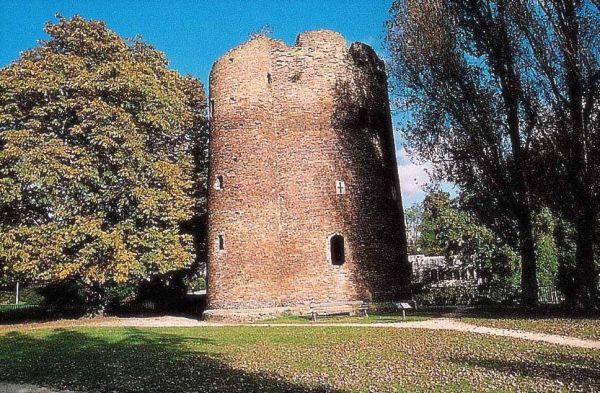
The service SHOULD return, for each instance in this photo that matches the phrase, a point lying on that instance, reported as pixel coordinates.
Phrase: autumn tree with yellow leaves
(102, 159)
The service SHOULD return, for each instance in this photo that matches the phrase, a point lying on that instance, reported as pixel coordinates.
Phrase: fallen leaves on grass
(298, 359)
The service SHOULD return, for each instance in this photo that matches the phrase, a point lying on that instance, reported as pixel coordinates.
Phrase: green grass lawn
(289, 359)
(588, 328)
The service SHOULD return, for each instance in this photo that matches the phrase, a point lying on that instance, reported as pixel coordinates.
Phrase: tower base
(256, 314)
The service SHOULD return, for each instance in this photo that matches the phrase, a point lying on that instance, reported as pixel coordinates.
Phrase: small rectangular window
(394, 193)
(219, 182)
(340, 187)
(221, 241)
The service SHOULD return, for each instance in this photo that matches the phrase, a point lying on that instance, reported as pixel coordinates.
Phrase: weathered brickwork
(287, 124)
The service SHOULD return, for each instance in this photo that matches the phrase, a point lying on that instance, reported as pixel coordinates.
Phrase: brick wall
(287, 123)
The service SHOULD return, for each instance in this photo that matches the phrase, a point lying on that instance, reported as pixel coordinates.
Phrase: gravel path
(433, 324)
(22, 388)
(456, 325)
(453, 324)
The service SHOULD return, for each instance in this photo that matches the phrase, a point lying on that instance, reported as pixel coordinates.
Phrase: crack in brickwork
(287, 123)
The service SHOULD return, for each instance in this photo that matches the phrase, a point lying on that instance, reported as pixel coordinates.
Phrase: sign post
(17, 294)
(403, 307)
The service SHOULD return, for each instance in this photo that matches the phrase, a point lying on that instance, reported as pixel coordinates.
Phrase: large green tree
(447, 229)
(102, 159)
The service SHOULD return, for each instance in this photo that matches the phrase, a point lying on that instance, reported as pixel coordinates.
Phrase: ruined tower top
(319, 57)
(308, 39)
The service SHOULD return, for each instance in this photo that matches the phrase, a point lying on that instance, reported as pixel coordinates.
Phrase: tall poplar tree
(560, 51)
(505, 97)
(453, 64)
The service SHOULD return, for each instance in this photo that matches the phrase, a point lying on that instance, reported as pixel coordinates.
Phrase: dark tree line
(502, 97)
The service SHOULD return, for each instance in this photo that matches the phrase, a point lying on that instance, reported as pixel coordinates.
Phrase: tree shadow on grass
(134, 361)
(564, 368)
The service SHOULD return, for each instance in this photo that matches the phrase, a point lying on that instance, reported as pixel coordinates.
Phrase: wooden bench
(329, 310)
(333, 309)
(364, 309)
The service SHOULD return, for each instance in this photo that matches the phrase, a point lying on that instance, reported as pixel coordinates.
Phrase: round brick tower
(304, 199)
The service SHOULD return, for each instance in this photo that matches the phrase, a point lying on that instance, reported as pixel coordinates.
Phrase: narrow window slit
(336, 250)
(219, 182)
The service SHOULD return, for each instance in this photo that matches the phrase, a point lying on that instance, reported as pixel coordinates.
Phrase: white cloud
(413, 176)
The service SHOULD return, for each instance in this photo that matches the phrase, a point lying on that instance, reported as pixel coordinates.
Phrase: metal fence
(550, 295)
(472, 295)
(7, 308)
(25, 312)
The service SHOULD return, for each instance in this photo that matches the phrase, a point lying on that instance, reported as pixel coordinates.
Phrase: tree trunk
(586, 290)
(512, 95)
(95, 300)
(529, 285)
(585, 225)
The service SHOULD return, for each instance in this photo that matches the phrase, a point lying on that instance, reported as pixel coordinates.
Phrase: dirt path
(159, 321)
(433, 324)
(456, 325)
(23, 388)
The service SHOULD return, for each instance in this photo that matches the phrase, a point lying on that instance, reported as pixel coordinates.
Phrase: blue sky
(194, 33)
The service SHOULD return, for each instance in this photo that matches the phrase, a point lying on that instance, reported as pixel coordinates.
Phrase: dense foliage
(444, 227)
(102, 158)
(457, 77)
(559, 50)
(447, 229)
